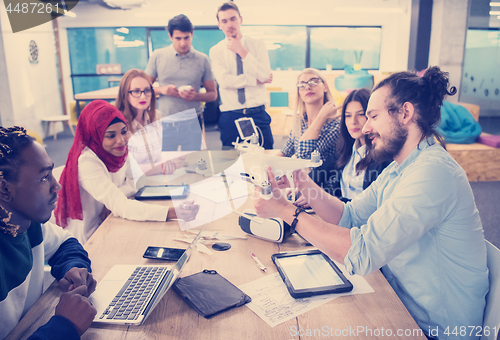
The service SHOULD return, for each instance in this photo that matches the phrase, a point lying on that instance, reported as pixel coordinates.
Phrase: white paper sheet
(214, 188)
(273, 304)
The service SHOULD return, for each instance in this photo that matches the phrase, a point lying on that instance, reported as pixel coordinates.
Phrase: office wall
(34, 88)
(449, 29)
(392, 15)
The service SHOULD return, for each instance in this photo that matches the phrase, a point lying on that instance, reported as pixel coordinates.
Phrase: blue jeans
(229, 132)
(186, 133)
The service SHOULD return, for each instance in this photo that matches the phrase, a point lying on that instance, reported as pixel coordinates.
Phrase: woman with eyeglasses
(97, 178)
(137, 102)
(316, 124)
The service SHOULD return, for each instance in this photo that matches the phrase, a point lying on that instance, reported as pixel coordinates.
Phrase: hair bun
(439, 81)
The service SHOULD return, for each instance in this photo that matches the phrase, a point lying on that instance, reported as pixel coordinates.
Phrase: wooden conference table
(119, 241)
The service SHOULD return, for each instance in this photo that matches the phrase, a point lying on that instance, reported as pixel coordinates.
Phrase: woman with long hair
(354, 168)
(97, 177)
(137, 101)
(315, 123)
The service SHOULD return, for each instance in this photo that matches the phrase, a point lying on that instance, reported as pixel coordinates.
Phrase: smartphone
(162, 253)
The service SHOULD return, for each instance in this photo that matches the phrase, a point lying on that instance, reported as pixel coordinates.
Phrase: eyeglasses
(137, 93)
(313, 82)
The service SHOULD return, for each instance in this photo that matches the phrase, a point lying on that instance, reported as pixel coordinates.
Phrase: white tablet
(246, 128)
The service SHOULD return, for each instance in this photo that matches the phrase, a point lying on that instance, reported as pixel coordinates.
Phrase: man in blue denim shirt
(417, 222)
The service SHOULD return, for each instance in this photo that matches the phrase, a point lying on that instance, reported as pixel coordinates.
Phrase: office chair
(491, 318)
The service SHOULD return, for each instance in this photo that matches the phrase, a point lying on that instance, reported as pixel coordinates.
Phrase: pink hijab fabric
(92, 124)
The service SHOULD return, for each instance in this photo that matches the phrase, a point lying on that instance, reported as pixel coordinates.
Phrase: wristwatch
(295, 219)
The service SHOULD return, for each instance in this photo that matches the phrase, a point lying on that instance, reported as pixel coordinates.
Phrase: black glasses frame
(141, 92)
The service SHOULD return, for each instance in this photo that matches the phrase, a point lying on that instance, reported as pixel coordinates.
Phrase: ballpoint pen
(259, 264)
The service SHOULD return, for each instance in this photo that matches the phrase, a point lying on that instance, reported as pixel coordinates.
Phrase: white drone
(256, 164)
(252, 167)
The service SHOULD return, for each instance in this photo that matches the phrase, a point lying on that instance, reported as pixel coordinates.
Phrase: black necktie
(239, 70)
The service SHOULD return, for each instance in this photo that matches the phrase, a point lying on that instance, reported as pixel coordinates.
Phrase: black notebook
(209, 293)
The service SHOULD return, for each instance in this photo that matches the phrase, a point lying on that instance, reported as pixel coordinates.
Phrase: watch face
(33, 52)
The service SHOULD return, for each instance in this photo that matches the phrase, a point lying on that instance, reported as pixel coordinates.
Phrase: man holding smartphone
(241, 67)
(180, 70)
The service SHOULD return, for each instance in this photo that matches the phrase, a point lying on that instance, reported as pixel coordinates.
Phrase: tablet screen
(309, 271)
(246, 128)
(162, 191)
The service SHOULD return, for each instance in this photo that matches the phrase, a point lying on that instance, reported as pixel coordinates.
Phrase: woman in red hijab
(97, 178)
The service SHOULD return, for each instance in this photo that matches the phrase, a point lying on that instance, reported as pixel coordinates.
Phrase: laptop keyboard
(135, 294)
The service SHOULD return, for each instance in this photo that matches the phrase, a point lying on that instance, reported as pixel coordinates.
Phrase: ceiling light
(494, 12)
(154, 15)
(134, 43)
(124, 4)
(123, 30)
(368, 10)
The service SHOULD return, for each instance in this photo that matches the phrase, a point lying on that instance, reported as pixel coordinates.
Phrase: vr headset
(271, 229)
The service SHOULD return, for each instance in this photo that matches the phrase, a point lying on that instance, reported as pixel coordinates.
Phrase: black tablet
(162, 192)
(308, 273)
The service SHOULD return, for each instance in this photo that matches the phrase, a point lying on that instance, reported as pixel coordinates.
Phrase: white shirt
(145, 142)
(256, 66)
(352, 182)
(100, 188)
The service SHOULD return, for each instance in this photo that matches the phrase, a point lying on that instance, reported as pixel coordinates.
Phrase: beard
(392, 144)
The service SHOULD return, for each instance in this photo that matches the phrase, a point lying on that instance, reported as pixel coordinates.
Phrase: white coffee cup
(185, 88)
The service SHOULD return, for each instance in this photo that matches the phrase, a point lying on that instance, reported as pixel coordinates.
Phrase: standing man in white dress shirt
(241, 67)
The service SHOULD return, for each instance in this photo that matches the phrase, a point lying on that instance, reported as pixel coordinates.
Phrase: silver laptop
(129, 293)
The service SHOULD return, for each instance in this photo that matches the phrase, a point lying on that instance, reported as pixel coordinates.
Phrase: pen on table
(259, 264)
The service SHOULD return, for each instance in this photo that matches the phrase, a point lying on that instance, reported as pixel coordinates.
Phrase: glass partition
(481, 72)
(286, 44)
(159, 38)
(100, 56)
(123, 48)
(333, 48)
(203, 38)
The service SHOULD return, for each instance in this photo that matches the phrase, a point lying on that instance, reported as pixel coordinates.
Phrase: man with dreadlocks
(28, 194)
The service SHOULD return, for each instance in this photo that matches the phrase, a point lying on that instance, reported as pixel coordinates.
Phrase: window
(286, 44)
(89, 47)
(337, 47)
(289, 48)
(203, 38)
(481, 76)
